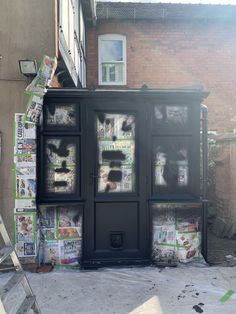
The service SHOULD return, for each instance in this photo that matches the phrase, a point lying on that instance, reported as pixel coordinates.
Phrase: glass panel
(112, 73)
(69, 222)
(176, 232)
(120, 72)
(111, 50)
(171, 163)
(61, 165)
(61, 115)
(116, 152)
(60, 234)
(104, 73)
(171, 117)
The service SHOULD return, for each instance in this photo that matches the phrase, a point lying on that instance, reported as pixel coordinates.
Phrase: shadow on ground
(220, 249)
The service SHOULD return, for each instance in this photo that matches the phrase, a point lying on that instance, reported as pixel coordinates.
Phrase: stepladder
(18, 281)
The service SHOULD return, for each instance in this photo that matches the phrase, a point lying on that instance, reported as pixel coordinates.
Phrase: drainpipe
(204, 119)
(93, 8)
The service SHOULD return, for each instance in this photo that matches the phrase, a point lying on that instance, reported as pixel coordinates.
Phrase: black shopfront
(115, 156)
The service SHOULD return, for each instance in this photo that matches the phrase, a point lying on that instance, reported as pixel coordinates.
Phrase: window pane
(62, 230)
(170, 117)
(111, 50)
(116, 152)
(176, 232)
(112, 73)
(61, 115)
(61, 165)
(119, 72)
(104, 73)
(171, 164)
(69, 222)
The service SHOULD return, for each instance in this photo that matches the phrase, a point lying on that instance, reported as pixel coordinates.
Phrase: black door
(116, 212)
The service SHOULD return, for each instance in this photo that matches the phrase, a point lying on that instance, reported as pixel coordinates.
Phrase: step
(5, 252)
(27, 304)
(12, 282)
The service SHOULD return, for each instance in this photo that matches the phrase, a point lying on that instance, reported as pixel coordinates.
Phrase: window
(61, 158)
(72, 39)
(175, 153)
(112, 59)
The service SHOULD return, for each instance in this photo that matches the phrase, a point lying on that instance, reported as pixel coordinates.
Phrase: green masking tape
(226, 296)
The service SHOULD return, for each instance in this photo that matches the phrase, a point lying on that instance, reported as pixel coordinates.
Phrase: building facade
(179, 45)
(121, 47)
(172, 46)
(30, 30)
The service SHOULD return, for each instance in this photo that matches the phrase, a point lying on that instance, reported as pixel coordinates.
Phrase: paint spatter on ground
(198, 309)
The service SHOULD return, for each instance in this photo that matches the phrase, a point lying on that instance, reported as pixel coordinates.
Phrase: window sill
(112, 85)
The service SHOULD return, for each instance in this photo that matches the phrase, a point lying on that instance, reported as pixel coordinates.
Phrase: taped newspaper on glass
(25, 231)
(70, 252)
(34, 108)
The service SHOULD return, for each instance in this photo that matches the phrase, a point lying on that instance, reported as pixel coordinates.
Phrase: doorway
(116, 209)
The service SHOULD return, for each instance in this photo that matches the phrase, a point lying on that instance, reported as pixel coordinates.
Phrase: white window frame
(71, 39)
(111, 37)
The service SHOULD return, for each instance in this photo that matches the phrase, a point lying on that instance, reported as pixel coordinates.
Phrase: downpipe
(204, 120)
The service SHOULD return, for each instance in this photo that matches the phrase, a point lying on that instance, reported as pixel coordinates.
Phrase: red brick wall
(177, 54)
(225, 186)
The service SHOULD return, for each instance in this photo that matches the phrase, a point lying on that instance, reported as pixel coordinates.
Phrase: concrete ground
(219, 248)
(182, 290)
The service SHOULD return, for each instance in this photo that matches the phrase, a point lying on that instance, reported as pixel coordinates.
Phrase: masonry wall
(165, 54)
(225, 200)
(26, 32)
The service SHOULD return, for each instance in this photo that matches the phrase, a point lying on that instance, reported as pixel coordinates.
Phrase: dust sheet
(181, 290)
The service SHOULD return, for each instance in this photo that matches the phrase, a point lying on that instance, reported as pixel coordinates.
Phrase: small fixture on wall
(28, 67)
(144, 87)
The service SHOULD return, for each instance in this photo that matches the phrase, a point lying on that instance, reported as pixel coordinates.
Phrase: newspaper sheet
(34, 108)
(25, 228)
(70, 252)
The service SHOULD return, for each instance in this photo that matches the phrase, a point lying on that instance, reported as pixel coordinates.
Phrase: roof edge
(155, 11)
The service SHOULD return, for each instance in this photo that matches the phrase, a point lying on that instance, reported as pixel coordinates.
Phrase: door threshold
(95, 264)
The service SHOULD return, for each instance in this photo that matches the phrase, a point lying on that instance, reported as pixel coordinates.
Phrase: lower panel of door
(118, 233)
(116, 228)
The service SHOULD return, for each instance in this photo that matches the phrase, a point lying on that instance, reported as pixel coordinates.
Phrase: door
(116, 212)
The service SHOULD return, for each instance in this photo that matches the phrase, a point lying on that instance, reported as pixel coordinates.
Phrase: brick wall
(177, 54)
(225, 196)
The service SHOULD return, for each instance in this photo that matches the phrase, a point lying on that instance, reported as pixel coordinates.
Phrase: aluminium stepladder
(29, 303)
